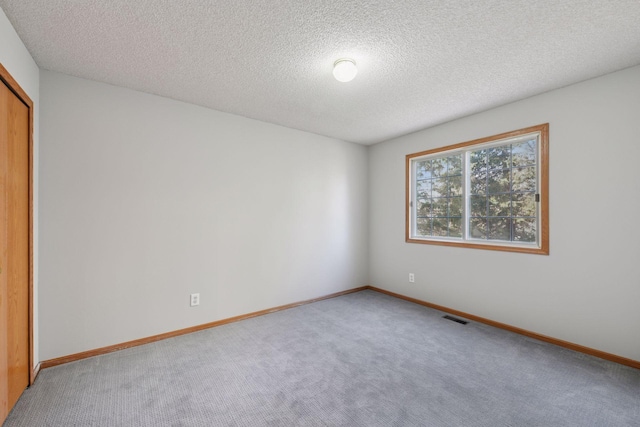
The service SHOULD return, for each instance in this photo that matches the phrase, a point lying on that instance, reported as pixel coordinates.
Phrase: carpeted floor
(363, 359)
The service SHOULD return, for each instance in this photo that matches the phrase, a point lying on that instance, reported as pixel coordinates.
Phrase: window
(491, 193)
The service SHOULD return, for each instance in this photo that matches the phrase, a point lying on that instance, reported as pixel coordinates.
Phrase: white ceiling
(421, 62)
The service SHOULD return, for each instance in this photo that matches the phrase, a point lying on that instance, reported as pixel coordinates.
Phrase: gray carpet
(363, 359)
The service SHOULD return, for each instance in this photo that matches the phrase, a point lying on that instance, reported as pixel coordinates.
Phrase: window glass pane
(439, 187)
(478, 183)
(499, 229)
(478, 228)
(524, 153)
(440, 227)
(423, 207)
(524, 204)
(423, 188)
(455, 207)
(455, 185)
(423, 226)
(454, 165)
(439, 207)
(524, 230)
(499, 157)
(439, 166)
(499, 181)
(478, 161)
(511, 187)
(423, 169)
(524, 179)
(500, 205)
(455, 227)
(478, 206)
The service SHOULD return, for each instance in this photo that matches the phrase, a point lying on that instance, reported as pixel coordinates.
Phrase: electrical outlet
(195, 300)
(412, 278)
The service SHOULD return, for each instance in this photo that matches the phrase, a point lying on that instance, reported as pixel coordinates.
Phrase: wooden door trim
(13, 85)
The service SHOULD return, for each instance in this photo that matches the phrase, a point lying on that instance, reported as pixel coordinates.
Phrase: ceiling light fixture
(344, 70)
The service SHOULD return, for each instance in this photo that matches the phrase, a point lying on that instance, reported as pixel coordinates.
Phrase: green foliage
(502, 187)
(439, 197)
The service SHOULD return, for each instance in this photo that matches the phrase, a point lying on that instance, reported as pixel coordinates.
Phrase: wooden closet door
(14, 249)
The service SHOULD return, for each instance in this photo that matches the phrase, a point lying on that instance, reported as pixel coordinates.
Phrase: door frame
(13, 85)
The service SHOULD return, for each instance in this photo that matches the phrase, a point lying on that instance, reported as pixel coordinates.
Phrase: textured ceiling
(421, 62)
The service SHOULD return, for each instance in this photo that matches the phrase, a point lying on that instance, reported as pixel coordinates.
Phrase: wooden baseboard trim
(571, 346)
(110, 349)
(34, 373)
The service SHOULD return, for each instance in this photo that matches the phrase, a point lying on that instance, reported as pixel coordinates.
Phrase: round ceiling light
(344, 70)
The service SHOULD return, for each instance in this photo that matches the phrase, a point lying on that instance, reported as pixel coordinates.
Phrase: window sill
(498, 246)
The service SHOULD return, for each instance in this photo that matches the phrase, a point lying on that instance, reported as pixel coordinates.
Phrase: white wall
(145, 200)
(588, 289)
(15, 57)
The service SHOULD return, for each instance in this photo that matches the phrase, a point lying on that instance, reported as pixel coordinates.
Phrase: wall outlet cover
(195, 300)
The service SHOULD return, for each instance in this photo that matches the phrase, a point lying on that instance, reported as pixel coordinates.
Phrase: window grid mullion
(438, 220)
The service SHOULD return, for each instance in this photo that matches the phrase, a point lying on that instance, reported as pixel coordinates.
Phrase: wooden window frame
(542, 247)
